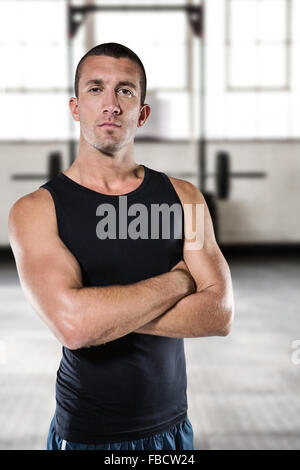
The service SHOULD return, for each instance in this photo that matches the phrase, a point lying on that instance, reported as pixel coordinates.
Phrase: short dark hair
(113, 49)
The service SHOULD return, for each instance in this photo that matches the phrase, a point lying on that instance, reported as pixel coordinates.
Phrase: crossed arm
(193, 300)
(210, 310)
(206, 312)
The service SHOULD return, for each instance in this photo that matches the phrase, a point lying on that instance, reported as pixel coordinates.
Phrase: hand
(181, 266)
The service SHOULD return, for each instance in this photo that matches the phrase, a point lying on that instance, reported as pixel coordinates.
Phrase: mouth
(109, 125)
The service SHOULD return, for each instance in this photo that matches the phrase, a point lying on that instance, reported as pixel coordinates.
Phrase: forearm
(199, 314)
(107, 313)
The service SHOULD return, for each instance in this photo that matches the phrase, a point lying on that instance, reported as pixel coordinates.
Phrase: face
(103, 98)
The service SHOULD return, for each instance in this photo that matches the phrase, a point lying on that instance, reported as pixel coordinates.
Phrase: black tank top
(134, 386)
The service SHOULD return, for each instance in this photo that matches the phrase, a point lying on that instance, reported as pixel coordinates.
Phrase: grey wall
(258, 210)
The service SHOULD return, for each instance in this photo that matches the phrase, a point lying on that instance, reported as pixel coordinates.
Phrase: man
(120, 293)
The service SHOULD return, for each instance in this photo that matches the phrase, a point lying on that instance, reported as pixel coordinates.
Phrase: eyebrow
(98, 81)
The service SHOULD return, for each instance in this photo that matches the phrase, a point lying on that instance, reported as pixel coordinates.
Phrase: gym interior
(224, 89)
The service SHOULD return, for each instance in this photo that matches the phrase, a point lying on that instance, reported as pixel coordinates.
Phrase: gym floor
(243, 389)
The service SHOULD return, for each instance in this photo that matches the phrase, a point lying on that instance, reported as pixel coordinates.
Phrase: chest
(120, 243)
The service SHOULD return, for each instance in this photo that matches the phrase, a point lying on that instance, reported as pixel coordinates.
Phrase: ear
(144, 114)
(73, 103)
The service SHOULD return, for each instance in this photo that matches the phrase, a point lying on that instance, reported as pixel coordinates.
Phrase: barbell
(223, 175)
(54, 167)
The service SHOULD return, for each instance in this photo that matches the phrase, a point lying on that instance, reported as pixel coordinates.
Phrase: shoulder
(35, 206)
(32, 202)
(187, 192)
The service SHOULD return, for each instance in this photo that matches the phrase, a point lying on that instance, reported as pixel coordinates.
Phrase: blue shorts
(180, 436)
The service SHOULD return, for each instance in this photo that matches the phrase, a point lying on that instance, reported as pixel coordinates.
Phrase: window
(252, 85)
(258, 44)
(33, 79)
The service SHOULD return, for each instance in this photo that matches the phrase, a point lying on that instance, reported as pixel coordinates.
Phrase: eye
(94, 89)
(125, 89)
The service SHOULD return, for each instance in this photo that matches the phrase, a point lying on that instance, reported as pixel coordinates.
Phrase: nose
(110, 102)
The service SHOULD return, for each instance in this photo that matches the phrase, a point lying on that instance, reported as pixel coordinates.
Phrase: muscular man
(118, 289)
